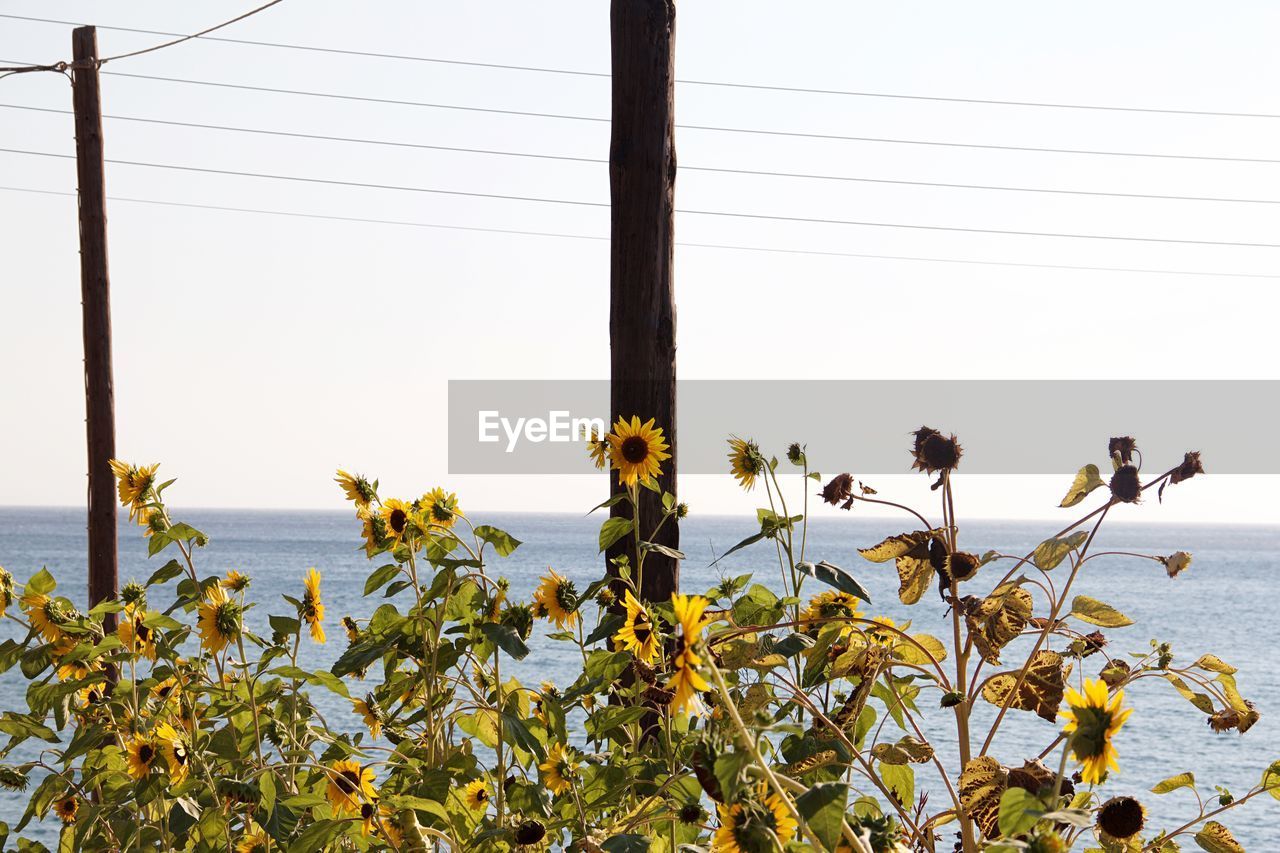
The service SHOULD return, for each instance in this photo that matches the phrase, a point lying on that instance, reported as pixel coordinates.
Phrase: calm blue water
(1224, 604)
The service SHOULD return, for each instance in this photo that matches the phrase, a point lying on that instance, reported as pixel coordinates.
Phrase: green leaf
(630, 843)
(160, 622)
(834, 576)
(165, 573)
(1173, 783)
(1271, 780)
(379, 577)
(900, 779)
(1087, 479)
(608, 626)
(41, 583)
(662, 549)
(1096, 612)
(284, 624)
(1050, 553)
(503, 543)
(614, 529)
(506, 638)
(1200, 700)
(1019, 811)
(823, 807)
(1216, 838)
(750, 540)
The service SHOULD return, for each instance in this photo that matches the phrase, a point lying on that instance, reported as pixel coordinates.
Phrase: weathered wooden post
(642, 311)
(95, 294)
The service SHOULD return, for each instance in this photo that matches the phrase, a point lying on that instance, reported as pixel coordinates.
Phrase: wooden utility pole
(642, 310)
(95, 293)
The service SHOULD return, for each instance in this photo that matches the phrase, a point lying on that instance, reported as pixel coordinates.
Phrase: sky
(256, 354)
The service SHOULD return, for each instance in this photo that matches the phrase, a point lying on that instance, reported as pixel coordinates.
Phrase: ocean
(1224, 604)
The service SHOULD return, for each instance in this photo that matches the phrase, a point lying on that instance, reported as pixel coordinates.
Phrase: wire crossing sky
(989, 192)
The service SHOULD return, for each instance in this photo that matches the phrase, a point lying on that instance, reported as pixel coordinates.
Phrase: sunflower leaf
(502, 541)
(1040, 691)
(614, 529)
(895, 546)
(823, 807)
(1096, 612)
(982, 787)
(1216, 838)
(1087, 479)
(608, 626)
(915, 574)
(505, 638)
(1173, 783)
(1020, 810)
(834, 576)
(998, 619)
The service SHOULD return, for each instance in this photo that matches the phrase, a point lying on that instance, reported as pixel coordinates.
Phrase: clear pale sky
(255, 354)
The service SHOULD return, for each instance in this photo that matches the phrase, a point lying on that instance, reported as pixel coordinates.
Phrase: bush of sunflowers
(733, 720)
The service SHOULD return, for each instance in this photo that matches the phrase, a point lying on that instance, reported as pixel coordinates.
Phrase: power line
(711, 128)
(718, 83)
(724, 246)
(687, 211)
(710, 169)
(184, 38)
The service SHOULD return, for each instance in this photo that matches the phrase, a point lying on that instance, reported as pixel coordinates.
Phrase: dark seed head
(691, 813)
(963, 565)
(935, 452)
(529, 832)
(635, 449)
(839, 489)
(1122, 448)
(1121, 817)
(1125, 485)
(1189, 468)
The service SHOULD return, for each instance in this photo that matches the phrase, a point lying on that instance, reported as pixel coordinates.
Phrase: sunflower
(750, 826)
(235, 581)
(375, 816)
(439, 508)
(1092, 722)
(352, 628)
(559, 768)
(745, 461)
(556, 598)
(132, 483)
(637, 635)
(830, 605)
(884, 632)
(254, 841)
(66, 808)
(349, 786)
(530, 835)
(1119, 819)
(375, 530)
(367, 708)
(135, 635)
(312, 609)
(396, 515)
(476, 795)
(358, 489)
(6, 591)
(166, 688)
(173, 746)
(219, 622)
(685, 681)
(141, 754)
(597, 448)
(46, 615)
(636, 450)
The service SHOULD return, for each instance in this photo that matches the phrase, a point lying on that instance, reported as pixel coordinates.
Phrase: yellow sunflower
(136, 636)
(176, 752)
(597, 448)
(165, 689)
(636, 450)
(748, 826)
(235, 581)
(685, 681)
(745, 461)
(396, 515)
(1092, 722)
(132, 483)
(66, 808)
(374, 531)
(6, 591)
(637, 635)
(46, 615)
(439, 508)
(219, 621)
(476, 795)
(559, 769)
(349, 786)
(140, 755)
(367, 709)
(358, 489)
(829, 605)
(254, 841)
(312, 610)
(556, 598)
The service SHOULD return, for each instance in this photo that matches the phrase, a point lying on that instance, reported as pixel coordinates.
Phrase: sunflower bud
(519, 617)
(1125, 485)
(1114, 673)
(795, 454)
(134, 594)
(839, 489)
(935, 452)
(951, 699)
(606, 597)
(691, 813)
(1121, 450)
(682, 510)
